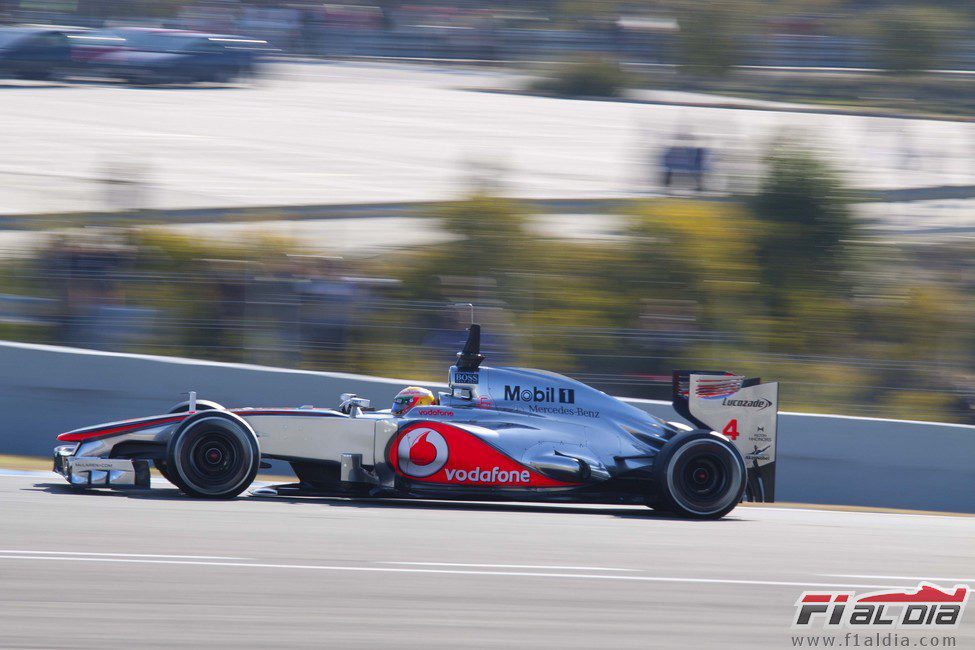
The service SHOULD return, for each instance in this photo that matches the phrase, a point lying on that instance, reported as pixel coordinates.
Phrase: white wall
(45, 390)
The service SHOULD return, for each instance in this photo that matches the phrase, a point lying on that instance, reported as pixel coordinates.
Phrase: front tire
(163, 469)
(213, 455)
(701, 475)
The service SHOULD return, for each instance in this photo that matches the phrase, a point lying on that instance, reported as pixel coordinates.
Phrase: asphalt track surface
(154, 569)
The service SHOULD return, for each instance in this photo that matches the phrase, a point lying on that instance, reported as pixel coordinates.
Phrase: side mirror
(352, 404)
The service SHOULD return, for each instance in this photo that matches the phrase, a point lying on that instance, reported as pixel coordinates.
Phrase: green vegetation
(711, 37)
(594, 77)
(783, 284)
(912, 39)
(806, 227)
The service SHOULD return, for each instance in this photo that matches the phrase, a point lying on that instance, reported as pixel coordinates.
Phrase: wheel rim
(213, 456)
(704, 476)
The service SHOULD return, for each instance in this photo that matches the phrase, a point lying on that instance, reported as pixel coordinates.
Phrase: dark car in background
(157, 56)
(34, 53)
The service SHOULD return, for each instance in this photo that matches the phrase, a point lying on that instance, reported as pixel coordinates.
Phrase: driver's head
(410, 397)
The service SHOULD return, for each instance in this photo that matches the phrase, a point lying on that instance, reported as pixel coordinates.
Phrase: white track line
(512, 566)
(873, 577)
(180, 557)
(320, 567)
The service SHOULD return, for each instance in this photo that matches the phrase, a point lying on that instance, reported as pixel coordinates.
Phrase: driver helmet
(410, 397)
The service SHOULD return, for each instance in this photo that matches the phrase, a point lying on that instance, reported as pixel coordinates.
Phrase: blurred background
(781, 188)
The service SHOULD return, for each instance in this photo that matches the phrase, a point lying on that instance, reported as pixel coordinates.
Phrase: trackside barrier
(826, 459)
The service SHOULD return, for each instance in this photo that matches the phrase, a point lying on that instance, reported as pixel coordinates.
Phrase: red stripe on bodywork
(89, 434)
(246, 412)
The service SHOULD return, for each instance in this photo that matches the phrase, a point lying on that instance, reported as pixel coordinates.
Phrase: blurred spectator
(685, 159)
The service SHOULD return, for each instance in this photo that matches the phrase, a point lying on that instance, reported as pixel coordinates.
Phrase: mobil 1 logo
(534, 394)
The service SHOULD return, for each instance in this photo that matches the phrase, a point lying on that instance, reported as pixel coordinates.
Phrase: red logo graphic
(422, 452)
(436, 452)
(927, 606)
(715, 387)
(484, 402)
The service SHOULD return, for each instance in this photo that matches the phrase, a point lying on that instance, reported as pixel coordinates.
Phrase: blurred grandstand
(832, 34)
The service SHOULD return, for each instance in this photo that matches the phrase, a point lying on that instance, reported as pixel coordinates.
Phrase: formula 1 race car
(497, 434)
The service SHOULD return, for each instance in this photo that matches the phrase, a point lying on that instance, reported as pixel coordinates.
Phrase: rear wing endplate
(744, 410)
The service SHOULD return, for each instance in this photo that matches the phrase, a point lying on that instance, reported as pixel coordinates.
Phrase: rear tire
(700, 475)
(213, 455)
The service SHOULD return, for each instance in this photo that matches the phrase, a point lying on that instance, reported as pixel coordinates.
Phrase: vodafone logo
(495, 475)
(421, 452)
(443, 413)
(441, 453)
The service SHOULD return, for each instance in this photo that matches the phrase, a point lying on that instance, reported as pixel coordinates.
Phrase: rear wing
(745, 410)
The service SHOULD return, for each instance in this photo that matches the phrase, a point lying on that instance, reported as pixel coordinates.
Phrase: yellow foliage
(917, 405)
(710, 242)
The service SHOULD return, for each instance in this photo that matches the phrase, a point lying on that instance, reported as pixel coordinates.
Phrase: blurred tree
(210, 320)
(491, 232)
(555, 293)
(698, 251)
(592, 77)
(481, 265)
(806, 226)
(912, 39)
(702, 243)
(712, 36)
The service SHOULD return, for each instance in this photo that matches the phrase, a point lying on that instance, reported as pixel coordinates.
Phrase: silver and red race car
(497, 434)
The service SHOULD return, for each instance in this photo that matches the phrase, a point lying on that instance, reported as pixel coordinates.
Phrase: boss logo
(466, 377)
